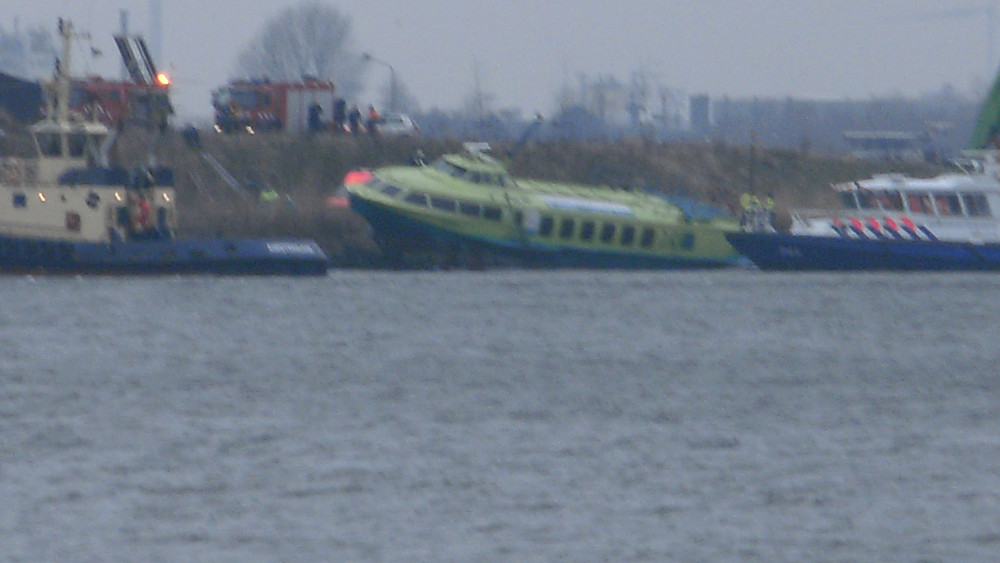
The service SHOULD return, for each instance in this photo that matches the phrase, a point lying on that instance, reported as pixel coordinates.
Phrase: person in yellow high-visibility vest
(750, 205)
(769, 210)
(268, 195)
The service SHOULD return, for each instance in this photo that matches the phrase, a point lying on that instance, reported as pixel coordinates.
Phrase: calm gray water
(501, 416)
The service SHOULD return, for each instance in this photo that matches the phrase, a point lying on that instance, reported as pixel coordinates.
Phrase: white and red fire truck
(262, 105)
(144, 100)
(117, 103)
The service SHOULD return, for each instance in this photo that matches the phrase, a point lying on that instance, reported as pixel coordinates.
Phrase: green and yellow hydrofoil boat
(466, 210)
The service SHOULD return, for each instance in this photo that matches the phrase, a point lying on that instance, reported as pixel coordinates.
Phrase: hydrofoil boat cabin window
(628, 235)
(443, 203)
(492, 213)
(607, 232)
(545, 227)
(390, 190)
(647, 237)
(416, 199)
(566, 228)
(474, 176)
(470, 209)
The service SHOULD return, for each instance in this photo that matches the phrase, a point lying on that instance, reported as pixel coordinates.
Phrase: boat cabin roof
(476, 170)
(977, 170)
(947, 183)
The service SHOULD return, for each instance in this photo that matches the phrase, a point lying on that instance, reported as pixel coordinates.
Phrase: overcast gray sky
(525, 50)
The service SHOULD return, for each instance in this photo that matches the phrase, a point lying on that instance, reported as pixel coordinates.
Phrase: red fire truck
(262, 105)
(117, 103)
(143, 101)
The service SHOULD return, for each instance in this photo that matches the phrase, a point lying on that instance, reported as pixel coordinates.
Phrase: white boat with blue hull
(894, 222)
(67, 210)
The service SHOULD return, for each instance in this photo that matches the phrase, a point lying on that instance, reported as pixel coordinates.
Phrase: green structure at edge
(988, 123)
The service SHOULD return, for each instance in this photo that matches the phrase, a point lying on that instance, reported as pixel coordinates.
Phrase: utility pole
(367, 57)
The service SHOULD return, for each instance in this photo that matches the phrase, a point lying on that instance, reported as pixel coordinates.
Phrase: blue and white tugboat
(68, 211)
(893, 222)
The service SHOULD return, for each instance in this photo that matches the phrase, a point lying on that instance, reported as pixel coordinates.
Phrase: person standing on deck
(769, 211)
(750, 206)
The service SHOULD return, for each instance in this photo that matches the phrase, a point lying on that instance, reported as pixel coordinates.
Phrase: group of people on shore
(344, 120)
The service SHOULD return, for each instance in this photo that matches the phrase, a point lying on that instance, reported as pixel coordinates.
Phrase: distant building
(887, 145)
(27, 53)
(701, 113)
(675, 110)
(639, 106)
(608, 99)
(877, 128)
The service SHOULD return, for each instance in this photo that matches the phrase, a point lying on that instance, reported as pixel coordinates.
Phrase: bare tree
(311, 39)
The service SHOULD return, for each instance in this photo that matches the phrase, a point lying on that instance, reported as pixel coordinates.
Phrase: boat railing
(478, 151)
(15, 171)
(978, 161)
(757, 219)
(968, 165)
(806, 216)
(816, 213)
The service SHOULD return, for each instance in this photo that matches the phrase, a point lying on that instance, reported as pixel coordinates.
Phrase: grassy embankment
(306, 171)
